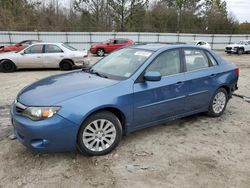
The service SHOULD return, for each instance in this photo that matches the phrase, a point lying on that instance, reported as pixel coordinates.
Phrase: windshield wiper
(92, 71)
(99, 74)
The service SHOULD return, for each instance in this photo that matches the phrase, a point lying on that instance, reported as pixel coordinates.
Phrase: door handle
(212, 75)
(38, 56)
(179, 83)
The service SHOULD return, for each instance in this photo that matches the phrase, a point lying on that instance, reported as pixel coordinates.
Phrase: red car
(109, 46)
(17, 47)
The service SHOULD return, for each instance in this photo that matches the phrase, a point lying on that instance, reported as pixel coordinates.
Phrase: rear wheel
(100, 52)
(218, 103)
(7, 66)
(99, 134)
(66, 65)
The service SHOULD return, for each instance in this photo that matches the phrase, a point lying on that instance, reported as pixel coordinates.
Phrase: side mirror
(108, 43)
(22, 53)
(152, 76)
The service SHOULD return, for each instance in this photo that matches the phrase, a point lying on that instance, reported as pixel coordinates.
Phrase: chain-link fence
(83, 40)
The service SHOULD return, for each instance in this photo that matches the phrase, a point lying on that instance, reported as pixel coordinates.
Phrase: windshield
(193, 43)
(69, 47)
(122, 63)
(108, 41)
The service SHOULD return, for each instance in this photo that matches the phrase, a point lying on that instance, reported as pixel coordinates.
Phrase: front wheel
(99, 134)
(218, 103)
(240, 51)
(100, 52)
(7, 66)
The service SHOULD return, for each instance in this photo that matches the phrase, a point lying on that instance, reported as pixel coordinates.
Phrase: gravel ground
(196, 151)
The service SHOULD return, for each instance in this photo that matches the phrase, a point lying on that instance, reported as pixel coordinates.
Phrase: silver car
(43, 55)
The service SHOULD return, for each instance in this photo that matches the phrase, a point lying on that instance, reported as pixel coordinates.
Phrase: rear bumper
(55, 134)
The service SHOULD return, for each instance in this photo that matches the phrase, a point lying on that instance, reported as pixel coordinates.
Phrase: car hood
(98, 45)
(58, 88)
(235, 45)
(8, 55)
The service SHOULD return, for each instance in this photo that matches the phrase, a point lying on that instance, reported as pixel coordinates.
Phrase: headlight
(40, 113)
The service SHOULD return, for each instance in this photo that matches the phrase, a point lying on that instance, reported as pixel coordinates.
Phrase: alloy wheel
(219, 102)
(99, 135)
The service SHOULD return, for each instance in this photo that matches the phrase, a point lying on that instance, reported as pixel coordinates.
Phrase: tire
(99, 134)
(100, 52)
(66, 65)
(240, 51)
(7, 66)
(218, 103)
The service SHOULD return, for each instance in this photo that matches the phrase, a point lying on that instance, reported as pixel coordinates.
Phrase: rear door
(200, 75)
(53, 55)
(155, 101)
(32, 57)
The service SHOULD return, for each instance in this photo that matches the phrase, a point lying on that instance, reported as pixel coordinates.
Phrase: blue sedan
(132, 88)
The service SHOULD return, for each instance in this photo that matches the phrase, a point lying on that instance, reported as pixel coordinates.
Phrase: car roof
(120, 39)
(43, 43)
(158, 46)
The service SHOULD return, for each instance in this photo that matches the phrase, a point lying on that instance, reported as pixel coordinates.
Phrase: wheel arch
(66, 59)
(114, 110)
(227, 88)
(5, 59)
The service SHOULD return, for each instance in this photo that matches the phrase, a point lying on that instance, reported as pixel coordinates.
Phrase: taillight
(237, 71)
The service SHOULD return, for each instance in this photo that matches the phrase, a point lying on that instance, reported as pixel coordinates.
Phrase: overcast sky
(240, 9)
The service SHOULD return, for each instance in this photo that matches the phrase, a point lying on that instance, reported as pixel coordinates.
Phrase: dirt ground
(196, 151)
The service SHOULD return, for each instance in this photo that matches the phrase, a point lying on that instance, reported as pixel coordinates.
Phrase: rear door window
(195, 59)
(52, 49)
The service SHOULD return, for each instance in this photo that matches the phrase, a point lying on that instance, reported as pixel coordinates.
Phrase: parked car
(92, 108)
(43, 55)
(202, 44)
(241, 47)
(18, 47)
(109, 46)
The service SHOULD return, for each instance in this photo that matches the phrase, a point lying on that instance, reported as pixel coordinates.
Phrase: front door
(155, 101)
(32, 57)
(113, 45)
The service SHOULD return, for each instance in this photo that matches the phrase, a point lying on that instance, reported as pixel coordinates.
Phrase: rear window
(195, 59)
(69, 47)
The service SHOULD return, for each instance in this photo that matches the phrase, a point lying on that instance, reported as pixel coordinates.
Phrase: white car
(43, 55)
(202, 44)
(241, 47)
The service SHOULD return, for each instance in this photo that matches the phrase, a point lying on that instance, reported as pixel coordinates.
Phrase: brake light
(237, 71)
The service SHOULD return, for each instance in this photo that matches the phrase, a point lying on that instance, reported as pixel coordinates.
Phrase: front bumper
(93, 50)
(231, 50)
(55, 134)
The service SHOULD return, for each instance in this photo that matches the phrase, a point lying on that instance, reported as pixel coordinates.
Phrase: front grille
(228, 48)
(19, 107)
